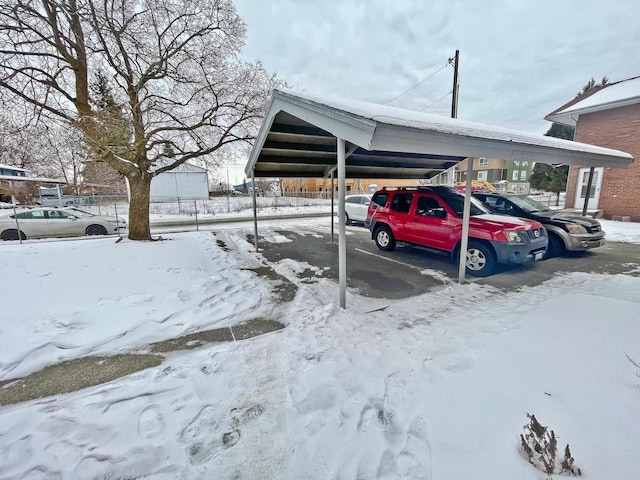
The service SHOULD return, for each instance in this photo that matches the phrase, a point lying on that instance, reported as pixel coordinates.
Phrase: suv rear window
(380, 199)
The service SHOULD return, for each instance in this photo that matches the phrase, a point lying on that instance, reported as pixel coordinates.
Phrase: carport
(306, 136)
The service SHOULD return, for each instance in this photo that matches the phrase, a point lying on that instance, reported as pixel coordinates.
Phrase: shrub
(634, 363)
(539, 445)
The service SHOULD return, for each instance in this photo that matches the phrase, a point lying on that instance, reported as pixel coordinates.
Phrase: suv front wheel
(481, 261)
(384, 238)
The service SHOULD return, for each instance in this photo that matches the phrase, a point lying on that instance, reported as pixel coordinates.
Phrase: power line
(441, 98)
(419, 83)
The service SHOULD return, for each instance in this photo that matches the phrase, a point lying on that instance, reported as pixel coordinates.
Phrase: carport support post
(342, 233)
(464, 241)
(333, 188)
(585, 207)
(255, 210)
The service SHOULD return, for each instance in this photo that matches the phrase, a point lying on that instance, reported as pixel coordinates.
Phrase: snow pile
(628, 232)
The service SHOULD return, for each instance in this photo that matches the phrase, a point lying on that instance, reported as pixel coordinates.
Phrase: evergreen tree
(550, 178)
(558, 130)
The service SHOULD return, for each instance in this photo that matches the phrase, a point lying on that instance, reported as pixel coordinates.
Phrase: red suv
(432, 217)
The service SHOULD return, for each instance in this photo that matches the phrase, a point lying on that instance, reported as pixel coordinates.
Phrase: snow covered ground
(433, 387)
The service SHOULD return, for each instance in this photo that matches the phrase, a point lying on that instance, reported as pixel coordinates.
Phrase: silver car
(42, 222)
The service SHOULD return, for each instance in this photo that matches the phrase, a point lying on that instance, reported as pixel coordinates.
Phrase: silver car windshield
(80, 213)
(528, 205)
(456, 202)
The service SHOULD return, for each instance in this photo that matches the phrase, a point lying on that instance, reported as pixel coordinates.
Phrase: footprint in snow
(201, 436)
(414, 461)
(151, 422)
(229, 439)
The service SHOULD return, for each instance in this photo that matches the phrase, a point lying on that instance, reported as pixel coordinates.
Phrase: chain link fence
(219, 205)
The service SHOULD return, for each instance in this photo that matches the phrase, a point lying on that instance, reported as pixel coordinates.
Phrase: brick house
(607, 116)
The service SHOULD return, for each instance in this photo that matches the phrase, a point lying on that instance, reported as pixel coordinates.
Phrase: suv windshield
(456, 202)
(528, 205)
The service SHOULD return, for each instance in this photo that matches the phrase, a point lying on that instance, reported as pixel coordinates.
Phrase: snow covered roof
(13, 178)
(615, 95)
(298, 139)
(11, 167)
(182, 168)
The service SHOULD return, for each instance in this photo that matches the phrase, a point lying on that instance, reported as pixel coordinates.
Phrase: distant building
(185, 182)
(17, 187)
(321, 188)
(607, 116)
(504, 175)
(9, 171)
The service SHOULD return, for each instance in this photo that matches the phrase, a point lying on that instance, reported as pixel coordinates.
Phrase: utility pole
(454, 105)
(454, 99)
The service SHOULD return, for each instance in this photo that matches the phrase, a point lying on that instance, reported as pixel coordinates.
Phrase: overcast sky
(519, 60)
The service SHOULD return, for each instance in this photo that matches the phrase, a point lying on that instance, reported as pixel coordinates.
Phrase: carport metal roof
(298, 139)
(307, 136)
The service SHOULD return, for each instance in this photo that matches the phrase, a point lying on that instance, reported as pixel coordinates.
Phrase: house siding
(617, 128)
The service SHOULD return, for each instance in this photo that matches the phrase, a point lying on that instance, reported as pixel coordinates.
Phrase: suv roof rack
(423, 188)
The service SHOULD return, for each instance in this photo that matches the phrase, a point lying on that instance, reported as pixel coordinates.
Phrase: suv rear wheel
(384, 238)
(481, 261)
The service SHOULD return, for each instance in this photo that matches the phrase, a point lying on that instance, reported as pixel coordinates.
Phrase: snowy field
(434, 387)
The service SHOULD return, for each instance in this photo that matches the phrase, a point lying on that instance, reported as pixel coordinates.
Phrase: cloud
(519, 60)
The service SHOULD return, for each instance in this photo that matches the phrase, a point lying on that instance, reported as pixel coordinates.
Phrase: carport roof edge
(297, 139)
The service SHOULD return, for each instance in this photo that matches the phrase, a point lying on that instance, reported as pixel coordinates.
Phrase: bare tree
(178, 89)
(50, 150)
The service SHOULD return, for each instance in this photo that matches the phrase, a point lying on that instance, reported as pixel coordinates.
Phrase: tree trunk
(139, 228)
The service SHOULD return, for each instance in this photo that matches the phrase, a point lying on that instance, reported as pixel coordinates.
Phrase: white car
(42, 222)
(356, 207)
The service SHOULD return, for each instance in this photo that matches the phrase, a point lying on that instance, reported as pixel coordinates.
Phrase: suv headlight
(573, 228)
(512, 236)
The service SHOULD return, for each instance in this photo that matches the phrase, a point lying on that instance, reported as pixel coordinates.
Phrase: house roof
(11, 167)
(299, 131)
(614, 95)
(182, 168)
(14, 178)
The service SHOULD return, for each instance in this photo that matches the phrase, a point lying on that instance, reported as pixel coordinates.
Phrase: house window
(483, 162)
(482, 175)
(525, 163)
(523, 175)
(515, 175)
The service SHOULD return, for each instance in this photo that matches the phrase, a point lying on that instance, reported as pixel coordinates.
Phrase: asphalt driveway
(408, 271)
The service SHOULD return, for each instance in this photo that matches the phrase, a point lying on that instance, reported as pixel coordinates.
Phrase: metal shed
(185, 182)
(309, 136)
